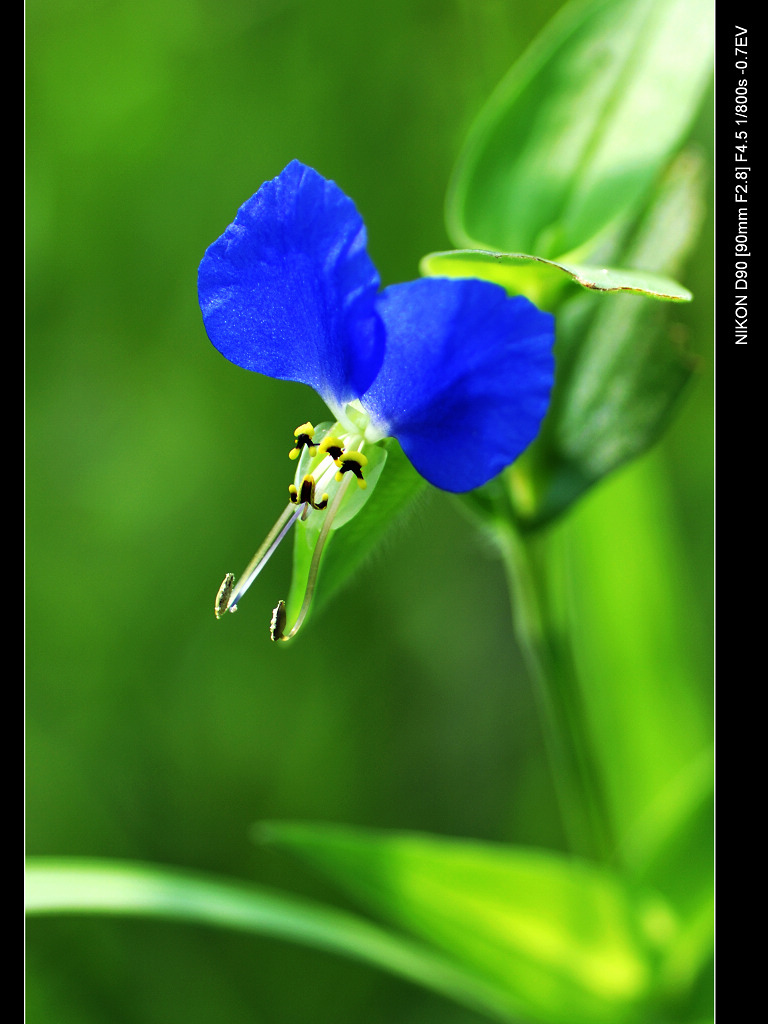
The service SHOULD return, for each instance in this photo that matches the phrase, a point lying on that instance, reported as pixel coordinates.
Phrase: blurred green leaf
(398, 486)
(622, 364)
(92, 886)
(541, 280)
(567, 939)
(618, 589)
(573, 138)
(671, 847)
(615, 585)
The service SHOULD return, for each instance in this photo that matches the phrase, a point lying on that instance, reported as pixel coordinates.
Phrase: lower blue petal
(289, 289)
(466, 377)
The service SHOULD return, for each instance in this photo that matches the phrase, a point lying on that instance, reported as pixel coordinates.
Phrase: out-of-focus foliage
(573, 139)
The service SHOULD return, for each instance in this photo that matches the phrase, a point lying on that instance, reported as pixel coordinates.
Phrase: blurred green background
(154, 466)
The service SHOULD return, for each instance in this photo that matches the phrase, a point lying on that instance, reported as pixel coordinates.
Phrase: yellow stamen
(306, 495)
(303, 434)
(352, 462)
(331, 446)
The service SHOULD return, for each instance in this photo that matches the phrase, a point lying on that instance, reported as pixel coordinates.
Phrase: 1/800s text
(742, 169)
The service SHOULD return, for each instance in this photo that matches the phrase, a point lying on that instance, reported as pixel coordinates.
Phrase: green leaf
(671, 846)
(618, 589)
(567, 940)
(398, 486)
(615, 584)
(92, 886)
(541, 280)
(572, 140)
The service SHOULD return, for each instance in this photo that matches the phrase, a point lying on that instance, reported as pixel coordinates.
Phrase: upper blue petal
(466, 377)
(289, 289)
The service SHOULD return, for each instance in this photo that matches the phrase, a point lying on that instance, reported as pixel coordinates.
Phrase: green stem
(550, 659)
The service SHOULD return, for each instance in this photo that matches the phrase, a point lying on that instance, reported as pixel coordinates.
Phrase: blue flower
(456, 370)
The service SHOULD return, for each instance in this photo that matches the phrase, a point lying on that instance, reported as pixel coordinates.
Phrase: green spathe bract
(622, 363)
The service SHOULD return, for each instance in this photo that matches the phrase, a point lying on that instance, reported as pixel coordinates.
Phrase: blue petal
(289, 289)
(466, 377)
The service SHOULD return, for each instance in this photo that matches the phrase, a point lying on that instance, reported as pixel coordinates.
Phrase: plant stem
(550, 658)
